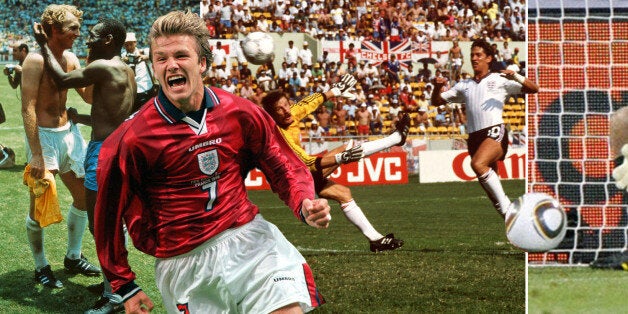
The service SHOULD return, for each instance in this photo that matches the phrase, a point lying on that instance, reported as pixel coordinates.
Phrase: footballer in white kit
(484, 96)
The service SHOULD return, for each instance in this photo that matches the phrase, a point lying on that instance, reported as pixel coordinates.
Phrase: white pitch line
(303, 249)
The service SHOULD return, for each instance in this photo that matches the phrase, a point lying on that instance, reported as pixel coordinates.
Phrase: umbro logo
(278, 279)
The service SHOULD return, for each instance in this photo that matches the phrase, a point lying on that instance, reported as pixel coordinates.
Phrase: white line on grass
(304, 249)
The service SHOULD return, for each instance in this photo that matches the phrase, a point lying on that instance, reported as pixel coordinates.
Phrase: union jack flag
(377, 52)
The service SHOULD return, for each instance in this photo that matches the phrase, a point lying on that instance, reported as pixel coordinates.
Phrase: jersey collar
(172, 114)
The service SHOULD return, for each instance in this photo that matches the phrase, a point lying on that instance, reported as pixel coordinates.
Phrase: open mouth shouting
(176, 81)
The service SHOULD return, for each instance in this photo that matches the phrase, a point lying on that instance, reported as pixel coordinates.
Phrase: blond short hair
(54, 15)
(183, 23)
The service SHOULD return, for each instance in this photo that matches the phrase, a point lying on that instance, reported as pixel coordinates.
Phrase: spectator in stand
(377, 122)
(265, 81)
(246, 91)
(275, 28)
(341, 35)
(294, 82)
(228, 85)
(441, 116)
(455, 57)
(422, 102)
(238, 14)
(262, 24)
(245, 72)
(291, 54)
(339, 117)
(337, 16)
(318, 72)
(360, 72)
(284, 74)
(316, 142)
(234, 73)
(505, 53)
(351, 55)
(363, 120)
(220, 54)
(226, 12)
(393, 111)
(404, 95)
(422, 119)
(305, 55)
(442, 60)
(205, 7)
(323, 116)
(410, 105)
(257, 97)
(222, 71)
(351, 109)
(392, 68)
(303, 79)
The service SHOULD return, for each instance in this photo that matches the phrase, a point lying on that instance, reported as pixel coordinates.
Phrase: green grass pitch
(456, 258)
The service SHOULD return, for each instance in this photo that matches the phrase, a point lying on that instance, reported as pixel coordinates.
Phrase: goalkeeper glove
(620, 173)
(350, 155)
(342, 88)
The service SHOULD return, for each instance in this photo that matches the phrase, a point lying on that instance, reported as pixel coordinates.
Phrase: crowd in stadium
(498, 20)
(384, 90)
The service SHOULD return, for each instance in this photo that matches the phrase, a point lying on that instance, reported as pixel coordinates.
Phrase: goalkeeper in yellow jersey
(288, 117)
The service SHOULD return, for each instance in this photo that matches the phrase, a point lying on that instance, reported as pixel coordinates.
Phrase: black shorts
(319, 181)
(497, 133)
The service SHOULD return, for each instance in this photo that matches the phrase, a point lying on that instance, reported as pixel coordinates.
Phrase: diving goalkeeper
(287, 118)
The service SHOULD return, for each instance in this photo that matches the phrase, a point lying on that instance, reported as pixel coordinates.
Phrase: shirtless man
(455, 55)
(54, 143)
(114, 90)
(339, 117)
(324, 118)
(363, 120)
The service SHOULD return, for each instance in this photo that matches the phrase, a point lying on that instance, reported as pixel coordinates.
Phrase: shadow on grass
(20, 292)
(16, 168)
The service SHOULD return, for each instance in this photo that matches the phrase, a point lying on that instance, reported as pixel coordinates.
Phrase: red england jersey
(176, 183)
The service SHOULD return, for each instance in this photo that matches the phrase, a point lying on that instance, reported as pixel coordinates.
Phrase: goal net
(578, 55)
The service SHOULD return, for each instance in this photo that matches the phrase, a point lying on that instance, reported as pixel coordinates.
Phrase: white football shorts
(63, 149)
(249, 269)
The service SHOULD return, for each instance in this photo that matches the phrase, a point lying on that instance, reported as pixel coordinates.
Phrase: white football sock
(493, 187)
(108, 292)
(35, 236)
(354, 214)
(77, 221)
(379, 145)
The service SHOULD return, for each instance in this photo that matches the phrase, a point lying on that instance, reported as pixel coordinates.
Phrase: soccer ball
(258, 48)
(536, 222)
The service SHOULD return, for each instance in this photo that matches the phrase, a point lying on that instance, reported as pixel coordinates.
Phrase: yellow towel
(47, 210)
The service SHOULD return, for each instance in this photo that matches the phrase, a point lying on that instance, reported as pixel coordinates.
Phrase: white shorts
(249, 269)
(63, 149)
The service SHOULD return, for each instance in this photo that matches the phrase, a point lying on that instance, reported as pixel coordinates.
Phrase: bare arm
(75, 78)
(31, 77)
(529, 87)
(79, 118)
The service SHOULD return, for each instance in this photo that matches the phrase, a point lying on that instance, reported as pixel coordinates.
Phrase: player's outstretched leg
(396, 138)
(387, 243)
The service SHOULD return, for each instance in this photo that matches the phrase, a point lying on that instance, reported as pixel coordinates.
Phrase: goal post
(579, 58)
